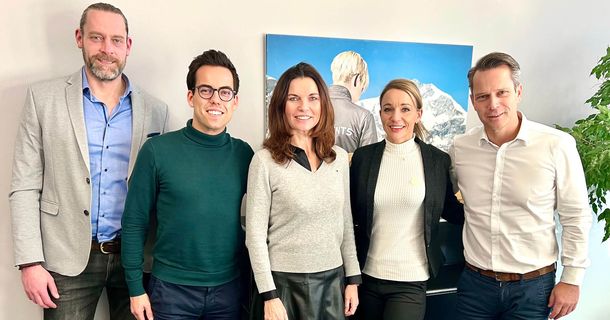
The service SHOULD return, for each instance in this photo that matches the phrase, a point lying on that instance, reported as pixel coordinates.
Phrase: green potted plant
(592, 136)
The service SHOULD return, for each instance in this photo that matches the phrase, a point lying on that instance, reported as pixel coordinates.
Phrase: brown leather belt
(108, 247)
(505, 276)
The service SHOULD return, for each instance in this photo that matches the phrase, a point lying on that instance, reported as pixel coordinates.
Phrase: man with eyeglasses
(191, 181)
(76, 146)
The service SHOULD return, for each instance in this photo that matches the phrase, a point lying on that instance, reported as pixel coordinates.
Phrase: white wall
(556, 42)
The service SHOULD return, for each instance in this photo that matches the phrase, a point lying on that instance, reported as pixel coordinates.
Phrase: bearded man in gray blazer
(75, 149)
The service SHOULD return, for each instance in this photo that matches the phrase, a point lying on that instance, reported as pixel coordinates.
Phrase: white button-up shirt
(511, 193)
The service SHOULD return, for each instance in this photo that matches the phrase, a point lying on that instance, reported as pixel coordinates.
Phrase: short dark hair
(102, 7)
(211, 58)
(494, 60)
(323, 134)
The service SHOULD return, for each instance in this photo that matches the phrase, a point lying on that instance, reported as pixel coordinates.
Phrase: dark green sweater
(193, 183)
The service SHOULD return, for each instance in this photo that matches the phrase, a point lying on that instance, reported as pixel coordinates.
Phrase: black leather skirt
(307, 296)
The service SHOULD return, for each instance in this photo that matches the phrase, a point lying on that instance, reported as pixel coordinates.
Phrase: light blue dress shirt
(109, 141)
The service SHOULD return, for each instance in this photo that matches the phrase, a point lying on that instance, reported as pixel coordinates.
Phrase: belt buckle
(102, 248)
(496, 276)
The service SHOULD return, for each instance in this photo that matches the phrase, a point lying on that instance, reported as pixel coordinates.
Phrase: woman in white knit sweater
(299, 230)
(400, 187)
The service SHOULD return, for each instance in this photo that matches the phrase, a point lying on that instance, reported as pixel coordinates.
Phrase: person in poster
(354, 125)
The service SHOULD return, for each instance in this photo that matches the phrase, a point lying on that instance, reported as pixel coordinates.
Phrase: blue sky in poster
(443, 65)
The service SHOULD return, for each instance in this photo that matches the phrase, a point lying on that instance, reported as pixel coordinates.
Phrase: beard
(104, 72)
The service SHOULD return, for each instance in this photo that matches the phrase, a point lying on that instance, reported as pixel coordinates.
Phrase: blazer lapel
(372, 183)
(74, 99)
(138, 112)
(429, 163)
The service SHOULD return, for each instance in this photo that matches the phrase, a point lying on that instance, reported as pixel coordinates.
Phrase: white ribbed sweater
(397, 251)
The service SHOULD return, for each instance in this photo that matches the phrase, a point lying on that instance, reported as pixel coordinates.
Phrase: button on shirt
(511, 193)
(109, 142)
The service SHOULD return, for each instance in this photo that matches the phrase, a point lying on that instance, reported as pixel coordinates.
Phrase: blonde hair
(347, 64)
(412, 90)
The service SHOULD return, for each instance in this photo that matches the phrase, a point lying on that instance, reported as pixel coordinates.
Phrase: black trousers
(307, 296)
(391, 300)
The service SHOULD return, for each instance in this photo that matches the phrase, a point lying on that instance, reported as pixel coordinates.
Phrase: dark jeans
(177, 302)
(391, 300)
(483, 298)
(78, 295)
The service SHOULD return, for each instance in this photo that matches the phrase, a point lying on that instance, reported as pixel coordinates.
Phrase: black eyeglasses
(225, 94)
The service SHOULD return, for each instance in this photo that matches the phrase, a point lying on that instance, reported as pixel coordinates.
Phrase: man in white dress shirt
(514, 174)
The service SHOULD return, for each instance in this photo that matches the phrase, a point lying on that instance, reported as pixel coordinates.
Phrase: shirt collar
(300, 157)
(87, 89)
(524, 130)
(522, 135)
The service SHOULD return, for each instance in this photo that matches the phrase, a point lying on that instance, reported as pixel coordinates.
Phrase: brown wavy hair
(323, 134)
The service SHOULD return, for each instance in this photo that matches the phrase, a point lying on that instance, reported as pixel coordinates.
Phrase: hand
(563, 300)
(351, 299)
(140, 307)
(37, 283)
(274, 310)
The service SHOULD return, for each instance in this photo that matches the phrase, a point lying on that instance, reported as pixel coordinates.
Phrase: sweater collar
(401, 148)
(205, 139)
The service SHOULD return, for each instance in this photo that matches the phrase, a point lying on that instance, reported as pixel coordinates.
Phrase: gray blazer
(50, 195)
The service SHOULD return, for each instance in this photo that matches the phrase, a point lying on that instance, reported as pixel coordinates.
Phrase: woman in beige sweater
(299, 230)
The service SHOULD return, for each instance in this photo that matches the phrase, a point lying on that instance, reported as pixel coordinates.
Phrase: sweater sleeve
(348, 246)
(258, 208)
(139, 205)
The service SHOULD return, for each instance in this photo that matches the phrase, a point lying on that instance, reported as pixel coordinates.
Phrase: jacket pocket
(49, 207)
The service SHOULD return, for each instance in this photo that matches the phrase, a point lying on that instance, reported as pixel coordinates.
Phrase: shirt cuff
(25, 265)
(357, 279)
(573, 275)
(269, 295)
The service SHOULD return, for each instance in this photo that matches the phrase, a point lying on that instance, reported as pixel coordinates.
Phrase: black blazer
(439, 201)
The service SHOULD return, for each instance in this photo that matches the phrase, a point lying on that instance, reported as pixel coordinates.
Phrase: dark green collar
(205, 139)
